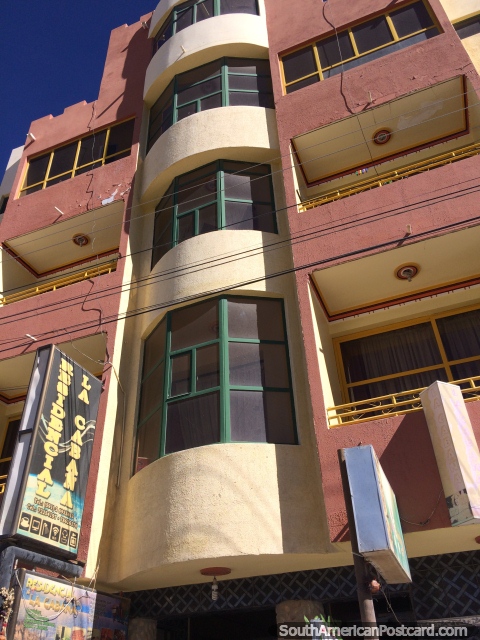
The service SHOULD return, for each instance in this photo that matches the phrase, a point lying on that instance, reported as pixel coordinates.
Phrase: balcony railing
(3, 484)
(392, 176)
(392, 405)
(53, 285)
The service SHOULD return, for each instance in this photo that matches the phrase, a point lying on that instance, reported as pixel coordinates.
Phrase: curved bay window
(217, 371)
(219, 195)
(221, 83)
(445, 348)
(187, 13)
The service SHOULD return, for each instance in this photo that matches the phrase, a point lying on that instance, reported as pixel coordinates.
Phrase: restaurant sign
(46, 487)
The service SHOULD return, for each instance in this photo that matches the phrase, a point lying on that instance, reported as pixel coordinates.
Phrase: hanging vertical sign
(50, 501)
(377, 521)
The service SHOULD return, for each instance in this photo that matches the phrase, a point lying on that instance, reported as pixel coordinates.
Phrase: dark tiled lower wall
(445, 586)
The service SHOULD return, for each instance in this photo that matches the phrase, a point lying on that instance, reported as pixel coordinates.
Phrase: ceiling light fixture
(382, 136)
(81, 240)
(407, 272)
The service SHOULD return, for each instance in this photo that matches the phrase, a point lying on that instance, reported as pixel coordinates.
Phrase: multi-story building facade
(264, 236)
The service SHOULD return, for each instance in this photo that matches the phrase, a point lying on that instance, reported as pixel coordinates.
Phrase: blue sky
(51, 56)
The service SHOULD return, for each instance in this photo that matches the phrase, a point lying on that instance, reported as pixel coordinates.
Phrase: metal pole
(362, 573)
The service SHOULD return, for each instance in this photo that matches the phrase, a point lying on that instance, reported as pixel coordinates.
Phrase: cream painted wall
(472, 45)
(239, 35)
(236, 133)
(458, 9)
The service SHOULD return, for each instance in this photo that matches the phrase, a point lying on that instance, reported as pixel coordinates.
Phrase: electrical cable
(216, 291)
(168, 274)
(425, 522)
(283, 170)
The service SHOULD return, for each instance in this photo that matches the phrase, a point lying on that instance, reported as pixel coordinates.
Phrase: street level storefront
(443, 587)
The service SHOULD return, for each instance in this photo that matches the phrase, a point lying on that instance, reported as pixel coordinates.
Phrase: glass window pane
(461, 334)
(197, 193)
(207, 219)
(199, 90)
(333, 51)
(63, 159)
(391, 352)
(395, 385)
(249, 83)
(188, 110)
(258, 365)
(152, 393)
(195, 324)
(257, 416)
(372, 34)
(212, 102)
(255, 319)
(238, 186)
(119, 156)
(37, 170)
(163, 102)
(299, 64)
(148, 441)
(247, 169)
(164, 34)
(32, 190)
(67, 176)
(205, 10)
(237, 98)
(91, 148)
(120, 138)
(187, 79)
(468, 28)
(466, 370)
(410, 19)
(239, 6)
(162, 236)
(303, 83)
(184, 19)
(181, 374)
(193, 422)
(239, 215)
(198, 176)
(208, 367)
(249, 66)
(154, 347)
(186, 227)
(264, 218)
(87, 168)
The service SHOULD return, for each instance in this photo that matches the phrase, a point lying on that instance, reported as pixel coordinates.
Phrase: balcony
(410, 135)
(53, 285)
(64, 253)
(392, 405)
(393, 176)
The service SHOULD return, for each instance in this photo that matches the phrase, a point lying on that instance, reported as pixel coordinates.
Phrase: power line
(219, 290)
(283, 170)
(201, 265)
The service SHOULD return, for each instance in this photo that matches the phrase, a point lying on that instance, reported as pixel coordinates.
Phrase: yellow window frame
(396, 38)
(445, 363)
(76, 166)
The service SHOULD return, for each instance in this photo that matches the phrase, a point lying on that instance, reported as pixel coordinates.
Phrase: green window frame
(410, 355)
(222, 83)
(215, 372)
(402, 27)
(77, 157)
(220, 195)
(193, 11)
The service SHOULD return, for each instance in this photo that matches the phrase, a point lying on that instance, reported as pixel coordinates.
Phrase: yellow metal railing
(392, 405)
(392, 176)
(92, 272)
(3, 484)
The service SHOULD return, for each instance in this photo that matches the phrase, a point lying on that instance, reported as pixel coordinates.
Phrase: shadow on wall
(410, 465)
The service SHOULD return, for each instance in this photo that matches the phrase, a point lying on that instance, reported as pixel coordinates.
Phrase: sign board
(51, 609)
(456, 450)
(377, 522)
(45, 493)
